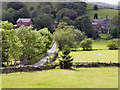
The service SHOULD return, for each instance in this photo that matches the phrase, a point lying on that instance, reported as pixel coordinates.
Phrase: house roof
(24, 19)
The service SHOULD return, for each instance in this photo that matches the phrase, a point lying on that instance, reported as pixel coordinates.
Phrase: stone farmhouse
(101, 25)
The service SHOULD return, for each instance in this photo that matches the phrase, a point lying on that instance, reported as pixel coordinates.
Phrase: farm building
(101, 25)
(24, 21)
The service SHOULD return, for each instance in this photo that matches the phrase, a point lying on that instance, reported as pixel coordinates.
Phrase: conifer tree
(66, 60)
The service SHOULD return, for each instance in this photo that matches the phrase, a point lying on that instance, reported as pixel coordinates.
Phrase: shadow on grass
(71, 69)
(88, 50)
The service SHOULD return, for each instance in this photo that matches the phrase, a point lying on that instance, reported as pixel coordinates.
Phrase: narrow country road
(42, 61)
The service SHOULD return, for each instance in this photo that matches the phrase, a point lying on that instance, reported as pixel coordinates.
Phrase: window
(20, 22)
(25, 23)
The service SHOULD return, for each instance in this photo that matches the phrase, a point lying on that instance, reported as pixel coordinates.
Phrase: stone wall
(47, 67)
(26, 68)
(95, 64)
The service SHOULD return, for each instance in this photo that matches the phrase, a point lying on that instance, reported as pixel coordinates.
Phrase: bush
(86, 44)
(112, 45)
(66, 60)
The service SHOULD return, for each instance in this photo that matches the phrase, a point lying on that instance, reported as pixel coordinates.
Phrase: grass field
(105, 36)
(99, 53)
(100, 44)
(81, 78)
(102, 13)
(91, 7)
(95, 56)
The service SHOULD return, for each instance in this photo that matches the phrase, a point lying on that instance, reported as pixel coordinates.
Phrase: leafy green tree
(43, 21)
(113, 45)
(22, 13)
(72, 14)
(114, 32)
(11, 46)
(6, 25)
(79, 7)
(47, 37)
(83, 23)
(15, 5)
(64, 35)
(86, 44)
(5, 46)
(66, 60)
(46, 9)
(15, 50)
(9, 15)
(115, 27)
(79, 36)
(24, 42)
(33, 43)
(67, 20)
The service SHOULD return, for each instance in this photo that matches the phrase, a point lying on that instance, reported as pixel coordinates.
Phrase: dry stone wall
(47, 67)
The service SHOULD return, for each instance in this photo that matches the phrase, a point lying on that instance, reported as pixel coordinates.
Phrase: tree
(72, 14)
(6, 25)
(24, 42)
(67, 20)
(33, 42)
(11, 46)
(64, 35)
(66, 60)
(22, 13)
(46, 9)
(83, 23)
(79, 7)
(95, 7)
(113, 45)
(79, 36)
(9, 15)
(114, 32)
(47, 37)
(43, 21)
(86, 44)
(15, 5)
(115, 27)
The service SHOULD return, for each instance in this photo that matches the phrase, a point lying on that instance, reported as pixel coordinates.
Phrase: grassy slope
(93, 56)
(105, 36)
(101, 12)
(100, 44)
(81, 78)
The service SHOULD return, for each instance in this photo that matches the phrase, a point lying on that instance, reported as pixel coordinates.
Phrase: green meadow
(96, 56)
(102, 13)
(79, 78)
(100, 53)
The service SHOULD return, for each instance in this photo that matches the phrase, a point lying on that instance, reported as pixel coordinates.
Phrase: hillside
(102, 12)
(104, 5)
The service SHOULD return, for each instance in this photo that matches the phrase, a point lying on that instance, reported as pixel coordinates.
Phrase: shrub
(86, 44)
(112, 45)
(66, 60)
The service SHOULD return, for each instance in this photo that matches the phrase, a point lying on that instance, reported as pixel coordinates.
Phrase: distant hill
(104, 5)
(102, 12)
